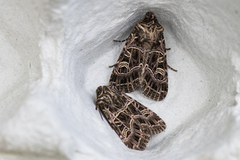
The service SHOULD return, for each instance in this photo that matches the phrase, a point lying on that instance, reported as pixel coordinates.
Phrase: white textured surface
(48, 91)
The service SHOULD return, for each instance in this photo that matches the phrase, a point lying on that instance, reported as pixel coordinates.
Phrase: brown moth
(142, 62)
(132, 121)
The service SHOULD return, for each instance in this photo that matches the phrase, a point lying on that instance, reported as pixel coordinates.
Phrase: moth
(143, 62)
(132, 121)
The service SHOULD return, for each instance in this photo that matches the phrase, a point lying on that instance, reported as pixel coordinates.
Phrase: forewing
(149, 121)
(126, 73)
(133, 122)
(155, 77)
(143, 61)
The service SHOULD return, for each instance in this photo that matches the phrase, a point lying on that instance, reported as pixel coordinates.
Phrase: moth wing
(146, 118)
(133, 122)
(126, 73)
(155, 78)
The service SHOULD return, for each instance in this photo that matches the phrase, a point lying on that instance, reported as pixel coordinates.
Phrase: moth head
(149, 17)
(149, 31)
(104, 96)
(101, 90)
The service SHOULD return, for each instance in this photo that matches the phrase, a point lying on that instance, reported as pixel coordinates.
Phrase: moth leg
(172, 68)
(167, 48)
(119, 40)
(113, 65)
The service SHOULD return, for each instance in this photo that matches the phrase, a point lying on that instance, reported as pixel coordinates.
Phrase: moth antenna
(100, 114)
(119, 40)
(97, 108)
(113, 65)
(172, 68)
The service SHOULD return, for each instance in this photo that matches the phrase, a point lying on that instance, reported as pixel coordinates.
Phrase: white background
(54, 54)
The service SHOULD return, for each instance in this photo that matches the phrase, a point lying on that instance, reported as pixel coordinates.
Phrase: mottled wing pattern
(143, 61)
(133, 122)
(155, 78)
(127, 70)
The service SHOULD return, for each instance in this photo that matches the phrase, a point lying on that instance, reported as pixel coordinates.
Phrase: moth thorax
(107, 99)
(147, 45)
